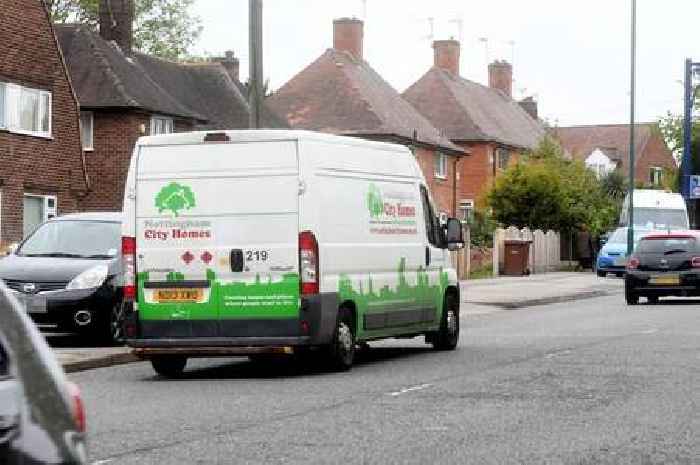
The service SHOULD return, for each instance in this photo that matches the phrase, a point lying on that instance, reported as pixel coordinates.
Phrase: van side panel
(221, 219)
(363, 204)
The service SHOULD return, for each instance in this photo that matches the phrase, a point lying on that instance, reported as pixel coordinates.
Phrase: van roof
(115, 217)
(264, 135)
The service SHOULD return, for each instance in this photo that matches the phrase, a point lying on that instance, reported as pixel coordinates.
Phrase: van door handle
(237, 261)
(427, 256)
(8, 427)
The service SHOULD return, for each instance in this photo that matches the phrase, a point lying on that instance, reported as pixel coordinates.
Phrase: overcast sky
(572, 55)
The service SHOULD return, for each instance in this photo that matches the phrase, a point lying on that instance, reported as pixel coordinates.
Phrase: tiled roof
(611, 139)
(468, 111)
(103, 77)
(342, 95)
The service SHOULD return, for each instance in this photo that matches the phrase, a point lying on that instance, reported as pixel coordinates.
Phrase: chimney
(501, 77)
(447, 55)
(116, 18)
(231, 64)
(348, 36)
(529, 104)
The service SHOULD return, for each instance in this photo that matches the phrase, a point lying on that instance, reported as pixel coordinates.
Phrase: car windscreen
(660, 218)
(668, 245)
(73, 239)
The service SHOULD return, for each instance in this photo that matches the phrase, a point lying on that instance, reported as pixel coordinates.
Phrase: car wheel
(601, 274)
(448, 334)
(631, 296)
(115, 325)
(169, 366)
(341, 352)
(653, 300)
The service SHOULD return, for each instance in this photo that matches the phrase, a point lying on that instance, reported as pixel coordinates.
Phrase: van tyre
(169, 366)
(447, 336)
(341, 353)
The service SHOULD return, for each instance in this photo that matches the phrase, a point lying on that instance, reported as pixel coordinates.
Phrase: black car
(664, 265)
(68, 271)
(42, 420)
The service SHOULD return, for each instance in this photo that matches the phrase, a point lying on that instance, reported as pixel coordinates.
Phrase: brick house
(486, 121)
(604, 148)
(125, 94)
(340, 93)
(43, 170)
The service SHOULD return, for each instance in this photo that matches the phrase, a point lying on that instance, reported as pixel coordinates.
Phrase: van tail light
(129, 263)
(695, 262)
(77, 407)
(308, 263)
(633, 264)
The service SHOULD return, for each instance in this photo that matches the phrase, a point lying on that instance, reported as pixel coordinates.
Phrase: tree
(546, 191)
(163, 28)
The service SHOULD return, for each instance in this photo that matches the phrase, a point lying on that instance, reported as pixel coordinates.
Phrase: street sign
(694, 189)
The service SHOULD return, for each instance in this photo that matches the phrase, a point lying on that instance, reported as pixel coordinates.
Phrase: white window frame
(657, 175)
(440, 165)
(466, 209)
(165, 122)
(88, 143)
(499, 158)
(12, 95)
(48, 211)
(3, 105)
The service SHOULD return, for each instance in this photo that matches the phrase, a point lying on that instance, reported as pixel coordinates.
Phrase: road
(586, 382)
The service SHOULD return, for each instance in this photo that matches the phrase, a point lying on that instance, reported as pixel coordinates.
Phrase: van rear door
(217, 239)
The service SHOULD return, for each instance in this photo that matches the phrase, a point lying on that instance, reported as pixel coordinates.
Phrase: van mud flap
(320, 311)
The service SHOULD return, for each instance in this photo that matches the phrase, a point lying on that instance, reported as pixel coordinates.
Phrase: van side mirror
(455, 238)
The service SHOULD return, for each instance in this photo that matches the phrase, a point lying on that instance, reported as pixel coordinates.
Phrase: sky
(572, 56)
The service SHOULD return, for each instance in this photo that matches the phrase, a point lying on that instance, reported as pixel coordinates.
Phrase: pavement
(581, 382)
(518, 292)
(478, 297)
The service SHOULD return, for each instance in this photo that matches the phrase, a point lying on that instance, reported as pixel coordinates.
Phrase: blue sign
(694, 190)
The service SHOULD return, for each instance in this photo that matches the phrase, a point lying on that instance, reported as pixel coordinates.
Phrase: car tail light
(633, 264)
(308, 263)
(129, 263)
(695, 262)
(77, 407)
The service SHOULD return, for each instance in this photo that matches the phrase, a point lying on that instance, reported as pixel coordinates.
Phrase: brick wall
(442, 190)
(476, 172)
(656, 153)
(114, 138)
(29, 56)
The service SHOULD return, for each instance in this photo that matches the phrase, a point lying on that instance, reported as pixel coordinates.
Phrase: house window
(656, 175)
(466, 210)
(503, 158)
(25, 110)
(441, 165)
(161, 125)
(37, 209)
(87, 120)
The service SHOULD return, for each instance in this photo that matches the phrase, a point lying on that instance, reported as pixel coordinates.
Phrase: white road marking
(102, 462)
(555, 354)
(650, 331)
(410, 389)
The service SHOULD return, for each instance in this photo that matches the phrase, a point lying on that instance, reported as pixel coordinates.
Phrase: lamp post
(630, 224)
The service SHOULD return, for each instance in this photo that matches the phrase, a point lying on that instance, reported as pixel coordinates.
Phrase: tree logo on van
(375, 203)
(175, 197)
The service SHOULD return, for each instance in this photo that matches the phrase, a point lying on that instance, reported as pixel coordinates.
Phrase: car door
(433, 281)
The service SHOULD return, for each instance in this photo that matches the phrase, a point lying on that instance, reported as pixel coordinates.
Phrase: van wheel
(341, 352)
(169, 366)
(448, 335)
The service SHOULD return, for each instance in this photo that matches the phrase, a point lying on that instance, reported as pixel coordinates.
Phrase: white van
(243, 242)
(656, 210)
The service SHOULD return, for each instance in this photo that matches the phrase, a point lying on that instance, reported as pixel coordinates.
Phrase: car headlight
(90, 278)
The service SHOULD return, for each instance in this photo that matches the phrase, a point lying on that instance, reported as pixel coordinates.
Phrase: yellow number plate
(178, 295)
(673, 280)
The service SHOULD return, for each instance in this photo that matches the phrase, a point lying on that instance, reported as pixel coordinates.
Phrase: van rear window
(662, 244)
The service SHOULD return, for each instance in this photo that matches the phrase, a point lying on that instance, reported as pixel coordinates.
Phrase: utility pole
(630, 224)
(255, 81)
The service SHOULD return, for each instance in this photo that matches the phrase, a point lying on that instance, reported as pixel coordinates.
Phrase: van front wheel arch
(447, 337)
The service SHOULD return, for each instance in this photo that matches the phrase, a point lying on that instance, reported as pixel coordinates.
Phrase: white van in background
(243, 242)
(656, 210)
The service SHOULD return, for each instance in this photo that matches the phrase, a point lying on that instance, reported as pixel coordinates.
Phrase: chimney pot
(348, 35)
(446, 54)
(231, 64)
(501, 77)
(116, 19)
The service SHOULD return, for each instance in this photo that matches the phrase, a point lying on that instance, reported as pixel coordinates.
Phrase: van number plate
(178, 295)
